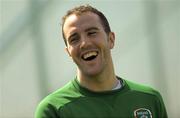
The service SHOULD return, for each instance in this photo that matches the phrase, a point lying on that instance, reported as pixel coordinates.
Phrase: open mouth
(90, 56)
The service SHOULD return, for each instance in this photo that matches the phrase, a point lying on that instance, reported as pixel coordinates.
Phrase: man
(96, 92)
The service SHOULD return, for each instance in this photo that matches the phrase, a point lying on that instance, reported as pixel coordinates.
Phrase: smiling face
(88, 44)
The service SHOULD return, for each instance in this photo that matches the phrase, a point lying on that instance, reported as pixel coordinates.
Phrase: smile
(90, 55)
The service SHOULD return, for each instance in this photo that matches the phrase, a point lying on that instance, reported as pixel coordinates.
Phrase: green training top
(130, 101)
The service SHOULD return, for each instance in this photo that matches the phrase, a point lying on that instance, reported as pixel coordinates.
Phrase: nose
(85, 42)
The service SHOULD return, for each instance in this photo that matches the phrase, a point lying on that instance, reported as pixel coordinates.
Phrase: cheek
(72, 51)
(104, 43)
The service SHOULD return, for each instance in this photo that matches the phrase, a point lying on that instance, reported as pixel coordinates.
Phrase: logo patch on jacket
(142, 113)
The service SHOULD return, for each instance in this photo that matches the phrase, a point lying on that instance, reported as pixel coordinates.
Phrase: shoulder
(55, 100)
(147, 94)
(60, 96)
(140, 88)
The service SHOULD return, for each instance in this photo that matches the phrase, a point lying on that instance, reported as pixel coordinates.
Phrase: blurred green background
(33, 62)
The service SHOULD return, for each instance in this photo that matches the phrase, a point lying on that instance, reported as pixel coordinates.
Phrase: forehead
(82, 18)
(79, 22)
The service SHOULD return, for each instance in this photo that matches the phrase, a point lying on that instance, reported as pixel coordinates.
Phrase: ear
(111, 40)
(67, 50)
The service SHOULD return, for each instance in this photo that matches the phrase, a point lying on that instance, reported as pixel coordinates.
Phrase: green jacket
(130, 101)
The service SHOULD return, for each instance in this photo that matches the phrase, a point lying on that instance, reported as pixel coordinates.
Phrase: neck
(104, 81)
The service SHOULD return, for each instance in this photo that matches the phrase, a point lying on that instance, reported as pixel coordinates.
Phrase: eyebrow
(91, 28)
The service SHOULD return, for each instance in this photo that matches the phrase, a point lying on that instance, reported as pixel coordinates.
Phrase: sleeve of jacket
(46, 110)
(162, 108)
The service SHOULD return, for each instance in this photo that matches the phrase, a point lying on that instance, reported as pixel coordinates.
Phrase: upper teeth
(89, 54)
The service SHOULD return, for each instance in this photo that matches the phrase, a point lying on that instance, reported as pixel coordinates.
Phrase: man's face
(87, 43)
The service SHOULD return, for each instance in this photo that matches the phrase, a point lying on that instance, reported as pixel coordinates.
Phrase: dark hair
(86, 8)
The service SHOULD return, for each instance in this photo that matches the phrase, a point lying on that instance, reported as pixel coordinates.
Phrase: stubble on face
(77, 25)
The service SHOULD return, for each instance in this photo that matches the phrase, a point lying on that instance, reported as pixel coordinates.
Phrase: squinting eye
(73, 40)
(92, 33)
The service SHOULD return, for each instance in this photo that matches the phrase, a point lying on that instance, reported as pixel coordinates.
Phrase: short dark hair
(86, 8)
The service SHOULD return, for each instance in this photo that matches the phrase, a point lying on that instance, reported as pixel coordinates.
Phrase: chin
(92, 73)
